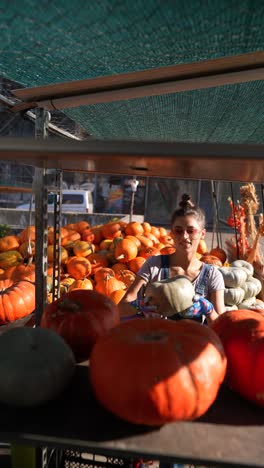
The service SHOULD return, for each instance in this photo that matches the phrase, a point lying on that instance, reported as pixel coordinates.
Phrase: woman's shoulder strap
(203, 278)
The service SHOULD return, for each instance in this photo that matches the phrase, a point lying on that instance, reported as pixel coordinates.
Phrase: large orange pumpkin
(81, 317)
(164, 370)
(17, 300)
(242, 334)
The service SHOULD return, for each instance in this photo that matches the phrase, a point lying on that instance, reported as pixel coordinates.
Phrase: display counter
(231, 433)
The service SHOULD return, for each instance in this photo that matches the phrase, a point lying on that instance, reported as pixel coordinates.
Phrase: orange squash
(9, 243)
(79, 267)
(202, 247)
(125, 250)
(126, 276)
(111, 230)
(107, 285)
(10, 258)
(29, 233)
(134, 228)
(82, 248)
(242, 335)
(102, 273)
(136, 263)
(220, 253)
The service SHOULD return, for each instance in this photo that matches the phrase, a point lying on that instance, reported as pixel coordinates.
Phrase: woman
(187, 229)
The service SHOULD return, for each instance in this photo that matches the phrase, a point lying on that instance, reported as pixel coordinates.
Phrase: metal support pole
(134, 183)
(57, 236)
(41, 220)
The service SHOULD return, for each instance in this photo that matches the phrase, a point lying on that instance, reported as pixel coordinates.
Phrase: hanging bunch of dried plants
(249, 228)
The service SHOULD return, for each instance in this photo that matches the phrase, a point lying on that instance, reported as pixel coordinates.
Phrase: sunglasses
(191, 231)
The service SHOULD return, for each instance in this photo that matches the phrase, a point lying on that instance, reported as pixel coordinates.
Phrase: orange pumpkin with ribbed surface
(17, 300)
(97, 260)
(102, 273)
(126, 276)
(79, 267)
(81, 317)
(178, 367)
(116, 267)
(107, 285)
(134, 228)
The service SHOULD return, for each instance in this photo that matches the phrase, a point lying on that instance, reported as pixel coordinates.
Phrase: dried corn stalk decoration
(243, 217)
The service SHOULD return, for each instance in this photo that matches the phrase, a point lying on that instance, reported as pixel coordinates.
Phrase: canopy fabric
(47, 42)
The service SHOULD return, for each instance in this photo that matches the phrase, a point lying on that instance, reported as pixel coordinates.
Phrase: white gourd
(233, 277)
(171, 296)
(246, 304)
(233, 296)
(36, 365)
(252, 288)
(244, 265)
(233, 307)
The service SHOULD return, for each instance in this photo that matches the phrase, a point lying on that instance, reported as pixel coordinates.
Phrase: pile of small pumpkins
(104, 258)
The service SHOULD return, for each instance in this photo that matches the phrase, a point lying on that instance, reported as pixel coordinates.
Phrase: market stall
(175, 101)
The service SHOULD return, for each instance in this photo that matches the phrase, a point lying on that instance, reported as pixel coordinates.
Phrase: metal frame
(156, 159)
(152, 82)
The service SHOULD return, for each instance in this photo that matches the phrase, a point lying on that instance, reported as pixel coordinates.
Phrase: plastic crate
(73, 459)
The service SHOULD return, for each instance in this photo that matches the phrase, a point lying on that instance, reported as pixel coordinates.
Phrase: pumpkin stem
(69, 305)
(153, 336)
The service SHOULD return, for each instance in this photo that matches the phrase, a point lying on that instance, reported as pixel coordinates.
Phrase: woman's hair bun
(186, 201)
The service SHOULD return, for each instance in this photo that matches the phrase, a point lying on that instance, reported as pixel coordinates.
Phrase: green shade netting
(45, 42)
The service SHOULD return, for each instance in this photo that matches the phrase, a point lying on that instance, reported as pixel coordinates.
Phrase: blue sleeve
(199, 308)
